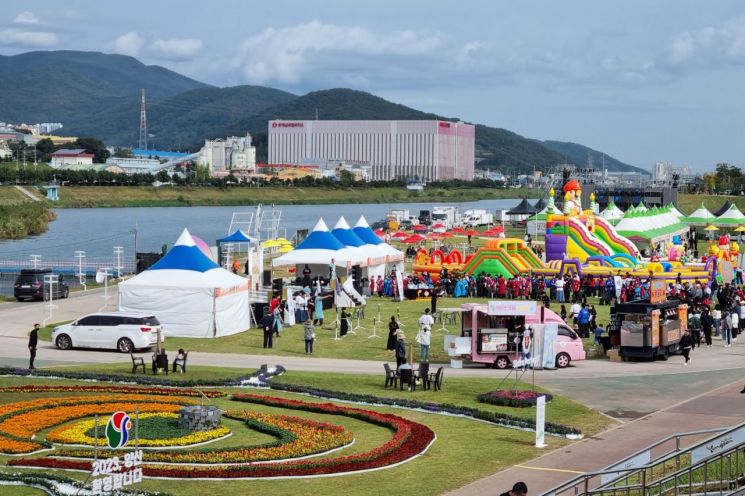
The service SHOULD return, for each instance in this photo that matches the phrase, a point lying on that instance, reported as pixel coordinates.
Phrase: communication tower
(142, 145)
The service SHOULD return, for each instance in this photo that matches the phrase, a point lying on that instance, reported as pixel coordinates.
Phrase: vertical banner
(400, 285)
(550, 338)
(540, 422)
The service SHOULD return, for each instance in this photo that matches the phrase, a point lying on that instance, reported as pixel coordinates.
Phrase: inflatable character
(724, 247)
(572, 198)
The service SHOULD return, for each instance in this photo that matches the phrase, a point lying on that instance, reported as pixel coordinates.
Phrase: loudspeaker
(266, 280)
(357, 275)
(276, 288)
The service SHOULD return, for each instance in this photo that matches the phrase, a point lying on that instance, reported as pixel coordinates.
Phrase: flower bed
(409, 440)
(56, 485)
(33, 388)
(512, 397)
(500, 419)
(159, 435)
(296, 437)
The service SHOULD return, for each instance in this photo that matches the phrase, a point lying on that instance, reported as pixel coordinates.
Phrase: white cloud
(128, 44)
(26, 17)
(292, 54)
(23, 38)
(177, 49)
(709, 46)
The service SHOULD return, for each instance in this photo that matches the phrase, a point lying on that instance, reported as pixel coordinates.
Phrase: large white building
(234, 154)
(134, 165)
(424, 150)
(67, 158)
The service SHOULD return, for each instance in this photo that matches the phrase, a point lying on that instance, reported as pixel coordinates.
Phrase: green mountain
(61, 85)
(95, 94)
(180, 122)
(577, 154)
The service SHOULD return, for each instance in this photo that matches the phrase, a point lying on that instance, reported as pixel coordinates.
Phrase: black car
(30, 285)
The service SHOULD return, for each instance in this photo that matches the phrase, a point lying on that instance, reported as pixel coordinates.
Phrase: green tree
(94, 146)
(44, 149)
(120, 152)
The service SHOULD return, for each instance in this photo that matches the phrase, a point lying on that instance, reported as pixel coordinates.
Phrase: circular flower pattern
(80, 433)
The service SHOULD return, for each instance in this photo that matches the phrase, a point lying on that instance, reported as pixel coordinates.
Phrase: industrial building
(425, 150)
(68, 158)
(223, 156)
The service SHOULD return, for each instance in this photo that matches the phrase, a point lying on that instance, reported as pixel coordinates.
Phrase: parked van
(507, 333)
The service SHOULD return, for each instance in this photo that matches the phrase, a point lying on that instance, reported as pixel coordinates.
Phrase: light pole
(80, 255)
(118, 251)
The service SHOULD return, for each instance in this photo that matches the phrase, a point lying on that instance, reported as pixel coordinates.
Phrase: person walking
(310, 336)
(400, 351)
(726, 329)
(686, 345)
(716, 314)
(267, 323)
(559, 285)
(694, 324)
(33, 341)
(707, 323)
(392, 329)
(583, 319)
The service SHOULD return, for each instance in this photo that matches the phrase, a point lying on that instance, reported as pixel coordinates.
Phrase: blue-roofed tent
(319, 248)
(190, 294)
(237, 237)
(363, 230)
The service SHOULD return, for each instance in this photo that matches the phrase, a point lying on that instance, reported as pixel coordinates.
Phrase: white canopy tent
(190, 294)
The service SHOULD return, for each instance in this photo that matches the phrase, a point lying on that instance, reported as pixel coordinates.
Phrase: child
(598, 333)
(310, 336)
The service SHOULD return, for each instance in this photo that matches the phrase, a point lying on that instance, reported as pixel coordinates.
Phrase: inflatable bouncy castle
(582, 234)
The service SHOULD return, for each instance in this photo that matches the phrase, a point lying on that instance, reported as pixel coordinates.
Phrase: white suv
(115, 330)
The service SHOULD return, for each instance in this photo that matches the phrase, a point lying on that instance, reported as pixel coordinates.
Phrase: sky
(640, 80)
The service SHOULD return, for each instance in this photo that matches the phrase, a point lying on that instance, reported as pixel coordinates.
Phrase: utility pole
(143, 124)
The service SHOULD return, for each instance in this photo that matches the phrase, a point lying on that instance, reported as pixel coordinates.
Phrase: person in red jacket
(501, 287)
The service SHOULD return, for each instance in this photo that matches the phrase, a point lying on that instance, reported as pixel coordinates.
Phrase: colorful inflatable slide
(576, 241)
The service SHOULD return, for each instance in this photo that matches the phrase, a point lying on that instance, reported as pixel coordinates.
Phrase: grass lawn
(354, 346)
(147, 196)
(10, 195)
(477, 448)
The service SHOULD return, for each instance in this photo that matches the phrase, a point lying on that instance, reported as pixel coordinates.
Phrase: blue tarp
(182, 257)
(237, 237)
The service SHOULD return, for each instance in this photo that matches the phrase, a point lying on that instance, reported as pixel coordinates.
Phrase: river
(98, 230)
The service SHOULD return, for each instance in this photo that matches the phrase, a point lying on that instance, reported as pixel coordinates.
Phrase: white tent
(190, 294)
(612, 212)
(319, 248)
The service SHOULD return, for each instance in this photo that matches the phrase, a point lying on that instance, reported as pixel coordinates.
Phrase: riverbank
(21, 217)
(688, 203)
(184, 196)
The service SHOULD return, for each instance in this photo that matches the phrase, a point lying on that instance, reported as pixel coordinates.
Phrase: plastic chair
(423, 375)
(406, 376)
(391, 376)
(436, 378)
(180, 363)
(137, 362)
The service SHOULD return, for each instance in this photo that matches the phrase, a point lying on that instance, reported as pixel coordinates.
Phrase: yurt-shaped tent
(190, 294)
(732, 218)
(700, 217)
(318, 250)
(650, 228)
(540, 205)
(537, 223)
(674, 210)
(612, 213)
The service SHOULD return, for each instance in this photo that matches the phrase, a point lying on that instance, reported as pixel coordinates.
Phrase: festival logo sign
(117, 430)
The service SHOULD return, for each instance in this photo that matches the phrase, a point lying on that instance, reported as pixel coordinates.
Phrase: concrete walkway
(28, 193)
(722, 407)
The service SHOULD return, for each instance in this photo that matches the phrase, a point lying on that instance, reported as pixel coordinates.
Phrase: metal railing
(714, 465)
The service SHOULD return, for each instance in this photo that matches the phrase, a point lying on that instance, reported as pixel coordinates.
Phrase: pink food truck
(515, 332)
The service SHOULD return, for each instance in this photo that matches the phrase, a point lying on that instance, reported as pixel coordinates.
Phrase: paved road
(722, 407)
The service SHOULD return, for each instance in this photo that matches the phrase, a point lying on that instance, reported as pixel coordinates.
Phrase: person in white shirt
(574, 309)
(424, 337)
(560, 289)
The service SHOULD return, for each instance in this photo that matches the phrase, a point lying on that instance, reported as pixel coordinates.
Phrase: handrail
(628, 471)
